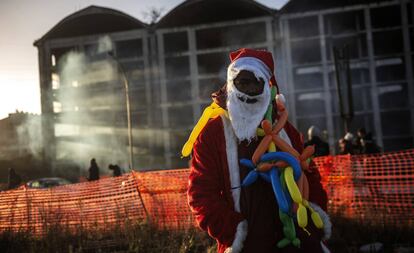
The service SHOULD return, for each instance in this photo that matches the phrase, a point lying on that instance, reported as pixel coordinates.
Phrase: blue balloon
(277, 189)
(285, 189)
(247, 163)
(265, 176)
(250, 178)
(284, 156)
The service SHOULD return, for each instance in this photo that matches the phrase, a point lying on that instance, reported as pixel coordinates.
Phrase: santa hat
(259, 62)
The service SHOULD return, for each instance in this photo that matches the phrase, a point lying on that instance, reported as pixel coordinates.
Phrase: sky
(24, 21)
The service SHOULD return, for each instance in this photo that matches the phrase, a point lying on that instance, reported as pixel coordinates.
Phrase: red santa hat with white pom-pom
(259, 62)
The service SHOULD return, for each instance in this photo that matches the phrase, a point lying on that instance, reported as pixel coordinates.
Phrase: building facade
(173, 66)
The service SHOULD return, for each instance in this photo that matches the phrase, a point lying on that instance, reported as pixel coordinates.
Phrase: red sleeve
(206, 191)
(317, 194)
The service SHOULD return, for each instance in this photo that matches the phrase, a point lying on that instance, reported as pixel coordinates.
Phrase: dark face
(247, 83)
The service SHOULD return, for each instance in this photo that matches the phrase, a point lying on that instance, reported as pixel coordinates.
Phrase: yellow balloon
(316, 218)
(272, 147)
(260, 132)
(217, 112)
(211, 111)
(302, 216)
(292, 186)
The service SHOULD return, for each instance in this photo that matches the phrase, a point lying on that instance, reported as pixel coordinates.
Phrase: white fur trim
(324, 248)
(327, 225)
(239, 238)
(252, 64)
(232, 161)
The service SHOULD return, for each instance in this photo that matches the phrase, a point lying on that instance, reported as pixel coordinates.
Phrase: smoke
(29, 135)
(104, 45)
(91, 104)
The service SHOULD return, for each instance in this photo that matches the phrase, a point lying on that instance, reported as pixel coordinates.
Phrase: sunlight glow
(19, 92)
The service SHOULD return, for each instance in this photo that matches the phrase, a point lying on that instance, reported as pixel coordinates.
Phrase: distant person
(365, 143)
(14, 179)
(361, 133)
(321, 147)
(116, 170)
(369, 146)
(93, 171)
(346, 145)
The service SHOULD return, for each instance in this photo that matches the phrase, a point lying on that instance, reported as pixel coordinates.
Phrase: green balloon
(296, 242)
(283, 243)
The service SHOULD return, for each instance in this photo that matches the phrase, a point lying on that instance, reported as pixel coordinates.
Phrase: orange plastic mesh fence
(371, 188)
(375, 188)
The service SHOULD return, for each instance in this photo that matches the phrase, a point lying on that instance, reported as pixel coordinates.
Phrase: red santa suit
(244, 219)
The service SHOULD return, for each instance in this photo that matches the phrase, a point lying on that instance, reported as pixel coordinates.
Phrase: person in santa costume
(245, 219)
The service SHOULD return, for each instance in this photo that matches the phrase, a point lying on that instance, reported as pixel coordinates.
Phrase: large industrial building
(171, 67)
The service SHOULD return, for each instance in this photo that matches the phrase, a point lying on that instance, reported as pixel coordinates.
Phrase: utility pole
(128, 108)
(344, 85)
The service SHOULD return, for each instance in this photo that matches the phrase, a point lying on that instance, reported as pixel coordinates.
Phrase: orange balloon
(304, 165)
(285, 147)
(261, 149)
(281, 122)
(307, 152)
(281, 164)
(263, 167)
(280, 105)
(305, 187)
(267, 126)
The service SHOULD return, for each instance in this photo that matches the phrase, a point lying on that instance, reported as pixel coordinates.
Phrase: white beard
(246, 117)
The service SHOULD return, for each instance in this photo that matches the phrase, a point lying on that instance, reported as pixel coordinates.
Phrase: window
(91, 49)
(308, 104)
(175, 42)
(396, 122)
(306, 51)
(134, 71)
(390, 69)
(389, 16)
(59, 53)
(344, 22)
(129, 48)
(212, 63)
(179, 91)
(388, 42)
(306, 122)
(177, 67)
(359, 76)
(57, 107)
(139, 119)
(412, 39)
(178, 138)
(55, 81)
(137, 97)
(308, 78)
(357, 46)
(208, 86)
(181, 116)
(361, 100)
(393, 96)
(304, 27)
(231, 35)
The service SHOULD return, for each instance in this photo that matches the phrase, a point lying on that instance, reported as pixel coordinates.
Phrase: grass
(132, 237)
(347, 236)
